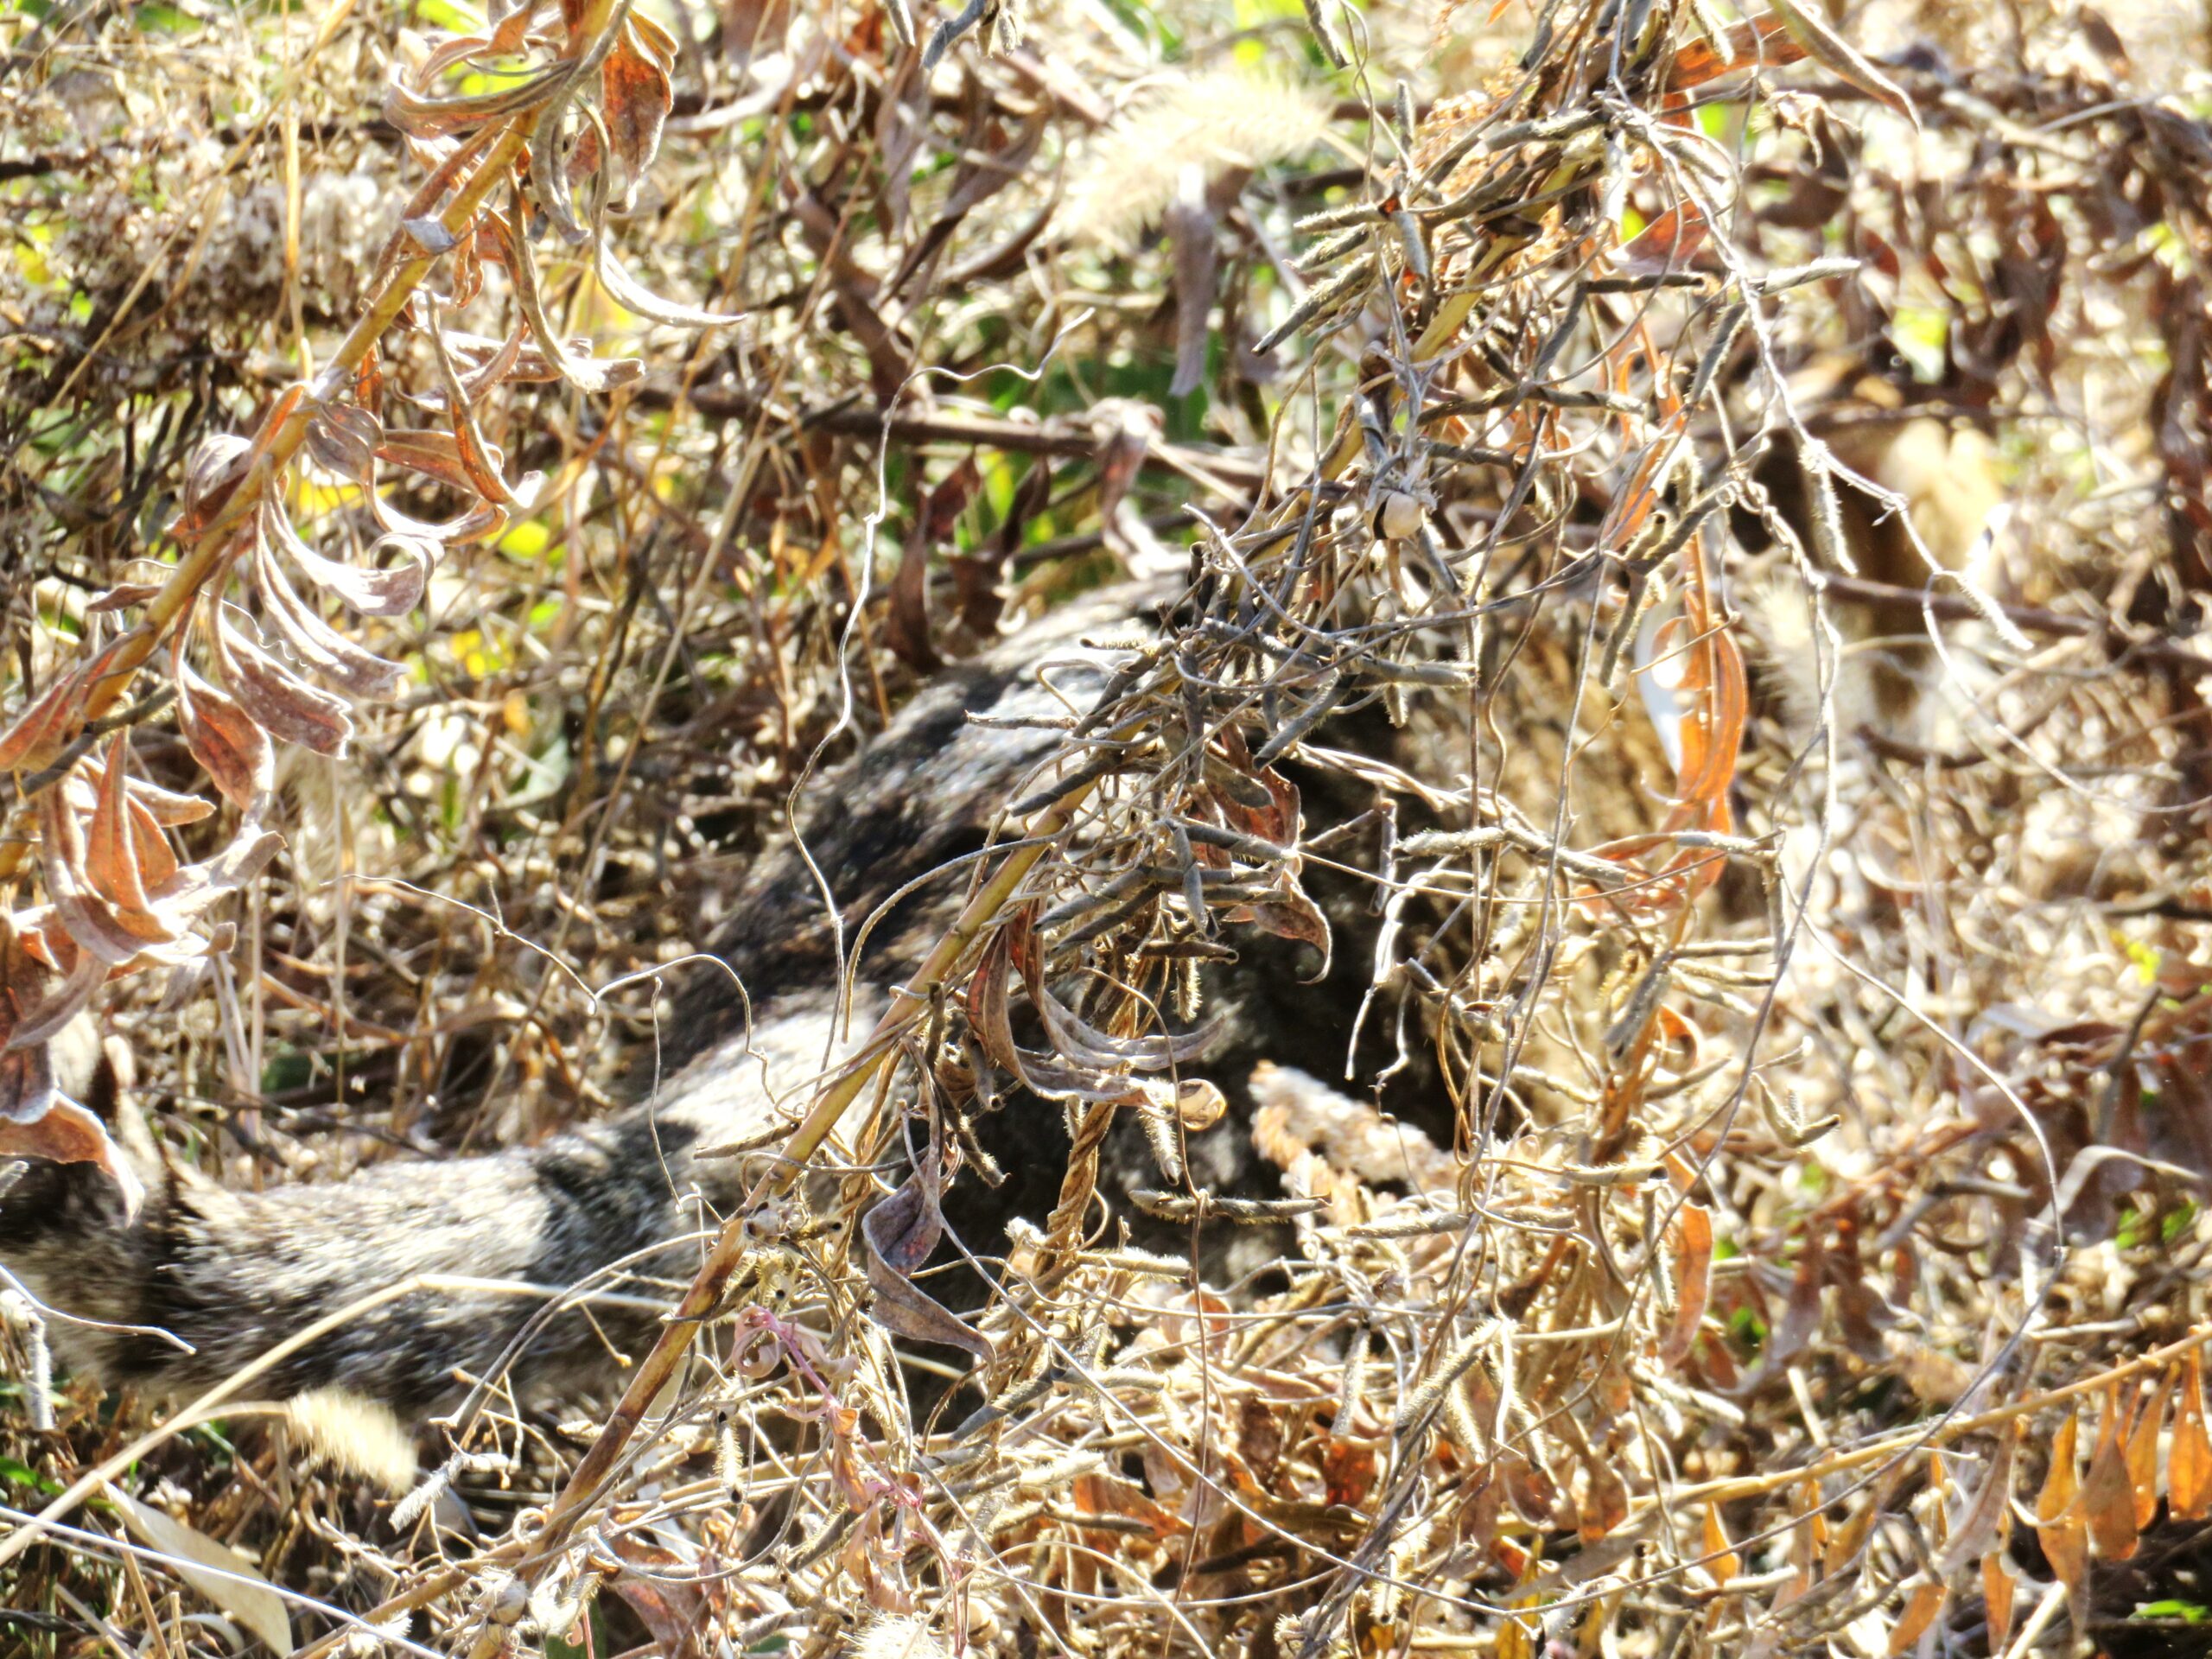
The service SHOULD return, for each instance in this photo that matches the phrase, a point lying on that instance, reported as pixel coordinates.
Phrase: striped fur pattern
(621, 1206)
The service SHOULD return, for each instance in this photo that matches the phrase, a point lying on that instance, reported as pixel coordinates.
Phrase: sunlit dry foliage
(1691, 523)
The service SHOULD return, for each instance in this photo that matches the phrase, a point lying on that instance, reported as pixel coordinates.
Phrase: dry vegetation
(499, 456)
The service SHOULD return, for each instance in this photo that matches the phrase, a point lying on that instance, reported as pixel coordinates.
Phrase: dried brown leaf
(1764, 40)
(45, 728)
(2188, 1460)
(2143, 1449)
(1693, 1240)
(635, 96)
(368, 590)
(2108, 1496)
(218, 1572)
(1920, 1607)
(1605, 1503)
(1838, 56)
(121, 597)
(342, 438)
(122, 858)
(586, 373)
(235, 751)
(1998, 1584)
(2059, 1525)
(218, 462)
(901, 1233)
(94, 924)
(419, 114)
(1984, 1518)
(322, 647)
(1721, 1559)
(276, 699)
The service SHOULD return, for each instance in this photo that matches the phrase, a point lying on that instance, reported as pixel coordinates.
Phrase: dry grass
(1816, 1067)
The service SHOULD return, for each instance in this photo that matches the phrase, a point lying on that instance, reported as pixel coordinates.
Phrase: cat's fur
(619, 1206)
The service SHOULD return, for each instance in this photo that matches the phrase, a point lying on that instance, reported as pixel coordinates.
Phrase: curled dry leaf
(166, 807)
(586, 373)
(214, 472)
(342, 438)
(95, 923)
(900, 1232)
(121, 597)
(636, 93)
(322, 647)
(154, 923)
(368, 590)
(1293, 915)
(632, 296)
(421, 115)
(435, 454)
(1982, 1522)
(43, 730)
(236, 751)
(276, 700)
(125, 854)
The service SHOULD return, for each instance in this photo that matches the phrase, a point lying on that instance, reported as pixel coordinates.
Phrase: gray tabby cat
(225, 1276)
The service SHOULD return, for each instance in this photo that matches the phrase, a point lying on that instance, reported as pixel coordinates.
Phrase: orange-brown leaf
(1920, 1610)
(2189, 1463)
(635, 97)
(2108, 1496)
(2142, 1450)
(1605, 1505)
(1722, 1561)
(94, 924)
(1764, 40)
(235, 751)
(2058, 1523)
(111, 862)
(1692, 1234)
(41, 731)
(1998, 1585)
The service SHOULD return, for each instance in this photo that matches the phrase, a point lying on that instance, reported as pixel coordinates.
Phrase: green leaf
(2188, 1612)
(23, 1474)
(163, 20)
